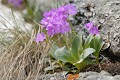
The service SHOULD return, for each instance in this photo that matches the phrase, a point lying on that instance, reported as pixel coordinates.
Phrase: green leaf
(88, 40)
(81, 42)
(77, 46)
(81, 65)
(97, 44)
(51, 68)
(85, 54)
(52, 51)
(64, 55)
(80, 37)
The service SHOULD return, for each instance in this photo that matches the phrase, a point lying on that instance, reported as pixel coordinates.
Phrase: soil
(109, 63)
(109, 66)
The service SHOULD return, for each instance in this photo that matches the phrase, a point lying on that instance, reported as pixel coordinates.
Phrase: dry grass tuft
(24, 59)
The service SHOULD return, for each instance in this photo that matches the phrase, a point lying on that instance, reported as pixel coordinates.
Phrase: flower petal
(40, 37)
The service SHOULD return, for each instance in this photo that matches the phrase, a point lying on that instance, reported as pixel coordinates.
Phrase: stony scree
(109, 19)
(103, 75)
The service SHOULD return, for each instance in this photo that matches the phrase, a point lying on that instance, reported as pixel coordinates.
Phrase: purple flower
(91, 28)
(50, 30)
(89, 25)
(40, 37)
(55, 20)
(16, 3)
(94, 30)
(65, 27)
(71, 9)
(67, 9)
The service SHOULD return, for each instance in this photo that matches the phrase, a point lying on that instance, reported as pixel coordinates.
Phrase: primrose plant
(55, 22)
(95, 40)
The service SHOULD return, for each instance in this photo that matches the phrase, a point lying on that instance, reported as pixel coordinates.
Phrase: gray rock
(8, 21)
(117, 77)
(103, 75)
(111, 25)
(55, 76)
(88, 14)
(95, 76)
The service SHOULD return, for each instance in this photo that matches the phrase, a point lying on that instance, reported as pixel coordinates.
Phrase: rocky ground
(103, 75)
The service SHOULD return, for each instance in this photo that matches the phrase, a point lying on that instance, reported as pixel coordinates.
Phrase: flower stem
(66, 41)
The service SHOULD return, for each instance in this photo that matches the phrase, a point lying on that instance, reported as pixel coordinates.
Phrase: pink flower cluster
(40, 37)
(91, 28)
(16, 3)
(55, 20)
